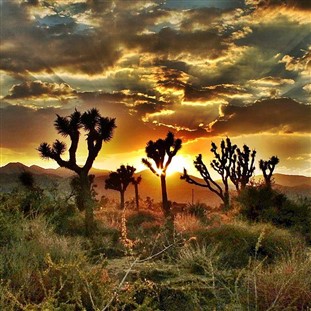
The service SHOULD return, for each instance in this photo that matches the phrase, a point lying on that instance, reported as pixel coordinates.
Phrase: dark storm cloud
(171, 42)
(38, 89)
(172, 64)
(282, 115)
(300, 4)
(280, 34)
(35, 48)
(201, 16)
(212, 92)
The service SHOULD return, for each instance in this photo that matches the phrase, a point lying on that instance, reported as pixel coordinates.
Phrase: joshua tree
(27, 180)
(136, 182)
(119, 181)
(98, 130)
(33, 197)
(162, 152)
(222, 164)
(242, 167)
(267, 168)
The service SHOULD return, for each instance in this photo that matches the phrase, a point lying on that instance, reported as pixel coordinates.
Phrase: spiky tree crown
(162, 152)
(97, 128)
(121, 178)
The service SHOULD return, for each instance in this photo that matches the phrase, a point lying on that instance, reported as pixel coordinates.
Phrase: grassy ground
(214, 262)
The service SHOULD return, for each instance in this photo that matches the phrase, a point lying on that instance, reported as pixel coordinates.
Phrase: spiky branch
(222, 164)
(243, 167)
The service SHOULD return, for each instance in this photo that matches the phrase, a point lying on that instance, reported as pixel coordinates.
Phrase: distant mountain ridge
(178, 190)
(17, 167)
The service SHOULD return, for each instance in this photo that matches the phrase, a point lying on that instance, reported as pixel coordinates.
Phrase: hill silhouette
(178, 190)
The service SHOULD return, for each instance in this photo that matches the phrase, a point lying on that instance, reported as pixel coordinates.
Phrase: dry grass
(185, 223)
(286, 285)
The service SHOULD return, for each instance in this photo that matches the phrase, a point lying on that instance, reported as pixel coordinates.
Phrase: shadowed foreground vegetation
(254, 257)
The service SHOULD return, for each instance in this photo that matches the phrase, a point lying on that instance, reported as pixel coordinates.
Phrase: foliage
(267, 205)
(41, 270)
(47, 263)
(198, 210)
(237, 242)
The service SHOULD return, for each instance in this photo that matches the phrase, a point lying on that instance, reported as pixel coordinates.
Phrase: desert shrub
(199, 259)
(104, 244)
(10, 229)
(137, 218)
(67, 220)
(264, 204)
(284, 285)
(187, 224)
(42, 270)
(239, 241)
(198, 210)
(148, 295)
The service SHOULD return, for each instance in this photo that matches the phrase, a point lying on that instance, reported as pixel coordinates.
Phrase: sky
(204, 70)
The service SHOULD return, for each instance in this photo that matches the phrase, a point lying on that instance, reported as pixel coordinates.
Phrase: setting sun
(177, 165)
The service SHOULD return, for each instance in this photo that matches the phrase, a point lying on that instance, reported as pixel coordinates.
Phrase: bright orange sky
(201, 69)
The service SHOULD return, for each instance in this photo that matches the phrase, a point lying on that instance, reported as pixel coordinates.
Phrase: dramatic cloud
(276, 116)
(198, 68)
(38, 89)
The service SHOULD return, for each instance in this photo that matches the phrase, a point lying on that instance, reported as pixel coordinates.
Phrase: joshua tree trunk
(165, 203)
(87, 202)
(122, 200)
(226, 201)
(169, 217)
(136, 196)
(226, 197)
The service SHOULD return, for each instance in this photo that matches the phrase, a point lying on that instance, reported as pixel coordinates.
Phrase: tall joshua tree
(136, 182)
(162, 152)
(267, 168)
(222, 164)
(120, 180)
(242, 167)
(98, 130)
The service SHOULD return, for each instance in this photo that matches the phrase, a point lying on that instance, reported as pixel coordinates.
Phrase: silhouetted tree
(31, 202)
(222, 164)
(242, 167)
(98, 130)
(136, 182)
(162, 152)
(120, 180)
(267, 168)
(27, 180)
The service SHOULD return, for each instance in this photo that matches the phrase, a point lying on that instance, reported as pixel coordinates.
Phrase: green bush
(264, 204)
(41, 269)
(199, 210)
(136, 219)
(284, 285)
(238, 242)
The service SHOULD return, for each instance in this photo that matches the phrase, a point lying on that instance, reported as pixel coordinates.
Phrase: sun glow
(177, 165)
